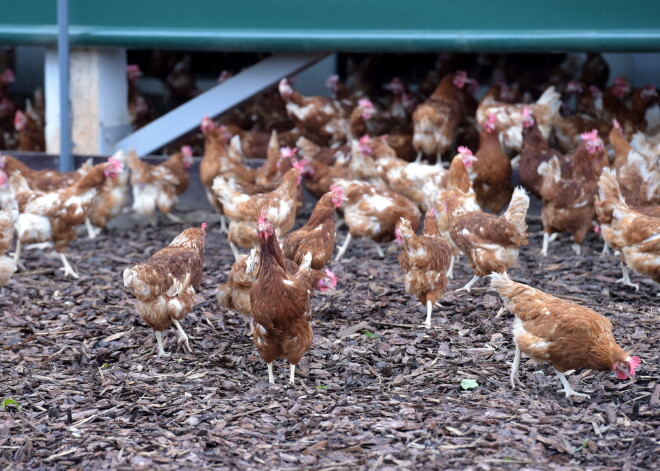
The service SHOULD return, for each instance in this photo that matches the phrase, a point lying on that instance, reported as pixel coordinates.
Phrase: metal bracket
(217, 100)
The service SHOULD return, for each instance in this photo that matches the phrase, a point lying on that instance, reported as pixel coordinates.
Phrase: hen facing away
(242, 209)
(634, 232)
(156, 187)
(318, 235)
(436, 120)
(166, 285)
(565, 334)
(425, 259)
(490, 243)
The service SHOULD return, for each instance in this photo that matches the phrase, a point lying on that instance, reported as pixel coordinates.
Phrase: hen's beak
(625, 372)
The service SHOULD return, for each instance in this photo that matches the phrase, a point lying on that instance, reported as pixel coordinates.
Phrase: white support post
(99, 94)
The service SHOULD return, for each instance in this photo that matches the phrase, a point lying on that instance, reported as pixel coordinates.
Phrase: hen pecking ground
(376, 391)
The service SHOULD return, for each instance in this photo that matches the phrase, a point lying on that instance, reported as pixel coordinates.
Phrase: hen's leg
(576, 248)
(249, 328)
(271, 376)
(223, 224)
(468, 287)
(419, 157)
(429, 311)
(500, 312)
(567, 387)
(183, 338)
(17, 255)
(234, 250)
(67, 268)
(606, 249)
(343, 248)
(626, 277)
(91, 232)
(174, 218)
(546, 243)
(379, 250)
(450, 271)
(515, 367)
(292, 374)
(159, 340)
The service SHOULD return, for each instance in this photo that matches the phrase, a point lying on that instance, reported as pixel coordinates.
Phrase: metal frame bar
(217, 100)
(66, 158)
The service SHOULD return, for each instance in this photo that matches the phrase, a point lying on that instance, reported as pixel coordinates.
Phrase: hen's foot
(568, 389)
(468, 287)
(174, 218)
(183, 338)
(159, 341)
(67, 268)
(626, 281)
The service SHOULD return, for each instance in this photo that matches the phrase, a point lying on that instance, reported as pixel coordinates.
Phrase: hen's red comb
(287, 152)
(333, 279)
(186, 150)
(431, 212)
(464, 150)
(590, 136)
(204, 226)
(262, 217)
(365, 103)
(616, 124)
(634, 364)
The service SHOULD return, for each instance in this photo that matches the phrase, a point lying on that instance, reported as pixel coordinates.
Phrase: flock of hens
(591, 157)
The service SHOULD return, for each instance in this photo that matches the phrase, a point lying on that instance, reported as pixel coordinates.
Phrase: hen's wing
(169, 272)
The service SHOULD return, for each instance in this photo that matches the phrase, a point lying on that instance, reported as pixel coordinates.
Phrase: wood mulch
(376, 391)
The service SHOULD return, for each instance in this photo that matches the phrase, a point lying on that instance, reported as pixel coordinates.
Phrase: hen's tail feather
(502, 284)
(517, 211)
(307, 148)
(609, 195)
(552, 99)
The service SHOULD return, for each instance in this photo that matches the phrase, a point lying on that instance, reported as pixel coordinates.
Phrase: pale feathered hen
(156, 187)
(425, 259)
(8, 216)
(567, 335)
(242, 210)
(166, 285)
(491, 243)
(509, 116)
